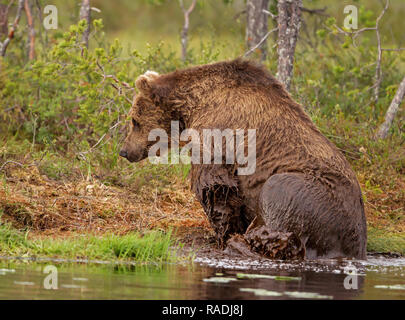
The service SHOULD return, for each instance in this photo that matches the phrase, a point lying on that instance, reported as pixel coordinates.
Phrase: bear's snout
(133, 156)
(123, 153)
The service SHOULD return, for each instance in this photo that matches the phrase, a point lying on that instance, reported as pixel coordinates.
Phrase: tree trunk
(186, 26)
(289, 23)
(31, 30)
(392, 111)
(85, 15)
(3, 21)
(4, 45)
(257, 25)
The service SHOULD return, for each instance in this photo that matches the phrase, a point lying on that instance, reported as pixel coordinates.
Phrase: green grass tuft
(383, 241)
(154, 246)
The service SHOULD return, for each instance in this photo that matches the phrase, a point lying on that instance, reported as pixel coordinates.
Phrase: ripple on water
(337, 266)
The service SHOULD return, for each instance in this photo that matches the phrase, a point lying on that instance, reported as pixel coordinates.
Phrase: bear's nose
(124, 153)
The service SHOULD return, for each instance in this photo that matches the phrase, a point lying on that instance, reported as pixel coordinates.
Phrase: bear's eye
(135, 124)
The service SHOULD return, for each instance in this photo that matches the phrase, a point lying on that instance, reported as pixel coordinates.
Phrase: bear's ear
(144, 82)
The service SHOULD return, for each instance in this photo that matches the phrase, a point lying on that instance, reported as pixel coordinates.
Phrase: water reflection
(263, 280)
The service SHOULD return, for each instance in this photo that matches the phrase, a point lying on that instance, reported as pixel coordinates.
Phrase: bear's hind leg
(289, 202)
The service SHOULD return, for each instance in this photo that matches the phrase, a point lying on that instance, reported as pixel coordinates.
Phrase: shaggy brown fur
(302, 183)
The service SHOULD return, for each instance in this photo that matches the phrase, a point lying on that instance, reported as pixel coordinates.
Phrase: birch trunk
(257, 25)
(31, 30)
(85, 15)
(186, 26)
(4, 45)
(3, 21)
(289, 23)
(392, 111)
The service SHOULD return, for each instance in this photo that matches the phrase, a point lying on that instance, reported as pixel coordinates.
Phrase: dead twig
(120, 83)
(389, 49)
(10, 161)
(82, 154)
(272, 15)
(236, 16)
(260, 42)
(320, 11)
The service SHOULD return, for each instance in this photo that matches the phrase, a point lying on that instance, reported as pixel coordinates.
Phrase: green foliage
(381, 241)
(154, 246)
(344, 71)
(10, 238)
(72, 97)
(65, 93)
(74, 92)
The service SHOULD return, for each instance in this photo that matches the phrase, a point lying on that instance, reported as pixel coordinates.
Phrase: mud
(237, 245)
(261, 242)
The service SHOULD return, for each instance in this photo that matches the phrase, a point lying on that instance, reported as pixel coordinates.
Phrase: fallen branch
(10, 161)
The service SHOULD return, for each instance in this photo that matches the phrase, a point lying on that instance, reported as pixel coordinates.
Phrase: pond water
(205, 278)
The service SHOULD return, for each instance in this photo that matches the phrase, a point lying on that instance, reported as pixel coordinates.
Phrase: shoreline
(85, 218)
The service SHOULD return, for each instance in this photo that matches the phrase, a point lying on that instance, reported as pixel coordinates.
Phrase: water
(206, 278)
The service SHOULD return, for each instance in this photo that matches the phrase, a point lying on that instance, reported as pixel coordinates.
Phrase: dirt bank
(30, 200)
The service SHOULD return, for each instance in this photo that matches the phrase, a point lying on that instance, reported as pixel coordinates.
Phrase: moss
(380, 240)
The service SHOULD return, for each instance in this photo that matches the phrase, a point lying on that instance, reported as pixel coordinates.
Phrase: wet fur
(302, 184)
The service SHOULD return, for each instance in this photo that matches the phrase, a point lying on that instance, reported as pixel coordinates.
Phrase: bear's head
(148, 112)
(145, 116)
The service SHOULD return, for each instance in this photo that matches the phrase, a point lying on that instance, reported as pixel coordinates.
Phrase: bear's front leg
(217, 191)
(224, 212)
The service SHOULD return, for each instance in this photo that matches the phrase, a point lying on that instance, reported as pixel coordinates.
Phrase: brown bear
(302, 186)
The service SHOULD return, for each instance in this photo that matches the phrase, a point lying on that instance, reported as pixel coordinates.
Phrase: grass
(380, 240)
(153, 246)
